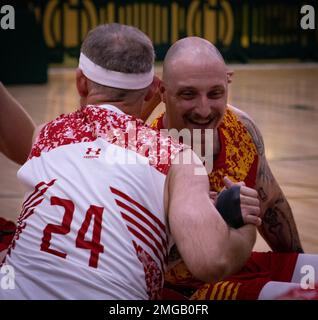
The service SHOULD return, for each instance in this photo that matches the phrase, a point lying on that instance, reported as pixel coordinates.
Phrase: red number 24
(94, 245)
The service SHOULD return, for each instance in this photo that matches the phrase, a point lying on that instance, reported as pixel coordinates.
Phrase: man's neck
(133, 110)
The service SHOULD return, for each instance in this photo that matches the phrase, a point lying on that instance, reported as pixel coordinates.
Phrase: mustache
(197, 118)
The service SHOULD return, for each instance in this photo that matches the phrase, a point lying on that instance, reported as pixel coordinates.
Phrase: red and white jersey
(93, 225)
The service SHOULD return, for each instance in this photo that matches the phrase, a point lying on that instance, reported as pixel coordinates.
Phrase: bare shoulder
(251, 127)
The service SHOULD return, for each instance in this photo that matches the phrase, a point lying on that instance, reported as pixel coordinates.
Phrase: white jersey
(93, 225)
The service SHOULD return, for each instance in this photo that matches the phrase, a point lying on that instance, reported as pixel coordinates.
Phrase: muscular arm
(210, 249)
(278, 228)
(16, 128)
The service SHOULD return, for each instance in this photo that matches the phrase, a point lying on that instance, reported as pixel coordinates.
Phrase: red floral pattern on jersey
(153, 274)
(92, 122)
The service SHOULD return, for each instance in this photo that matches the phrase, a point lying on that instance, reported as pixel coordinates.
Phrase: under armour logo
(92, 153)
(97, 151)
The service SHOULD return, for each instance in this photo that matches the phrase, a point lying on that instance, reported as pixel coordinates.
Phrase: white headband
(98, 74)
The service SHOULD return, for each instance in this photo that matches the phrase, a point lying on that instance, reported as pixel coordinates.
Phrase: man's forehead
(196, 67)
(198, 78)
(199, 85)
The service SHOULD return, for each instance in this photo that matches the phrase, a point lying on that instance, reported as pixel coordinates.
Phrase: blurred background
(275, 65)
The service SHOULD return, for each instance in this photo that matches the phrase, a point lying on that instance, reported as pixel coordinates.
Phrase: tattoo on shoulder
(264, 173)
(262, 194)
(255, 133)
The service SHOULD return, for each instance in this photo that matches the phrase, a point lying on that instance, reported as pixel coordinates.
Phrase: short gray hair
(119, 48)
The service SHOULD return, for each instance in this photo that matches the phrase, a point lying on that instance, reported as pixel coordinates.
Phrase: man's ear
(81, 83)
(152, 99)
(154, 87)
(229, 75)
(162, 91)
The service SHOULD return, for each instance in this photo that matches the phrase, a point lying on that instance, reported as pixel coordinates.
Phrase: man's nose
(203, 108)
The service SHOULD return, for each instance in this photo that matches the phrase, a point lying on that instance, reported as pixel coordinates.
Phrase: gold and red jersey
(238, 158)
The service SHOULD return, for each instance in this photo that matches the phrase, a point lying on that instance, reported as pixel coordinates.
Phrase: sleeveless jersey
(238, 158)
(92, 225)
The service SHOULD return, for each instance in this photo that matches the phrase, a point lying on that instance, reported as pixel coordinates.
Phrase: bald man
(195, 90)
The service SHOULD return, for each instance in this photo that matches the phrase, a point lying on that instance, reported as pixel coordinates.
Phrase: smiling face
(195, 92)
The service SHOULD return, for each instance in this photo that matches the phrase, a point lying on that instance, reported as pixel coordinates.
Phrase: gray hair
(119, 48)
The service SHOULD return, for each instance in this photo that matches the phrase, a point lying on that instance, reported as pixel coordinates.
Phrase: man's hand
(250, 205)
(248, 202)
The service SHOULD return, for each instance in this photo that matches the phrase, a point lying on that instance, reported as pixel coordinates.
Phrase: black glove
(229, 205)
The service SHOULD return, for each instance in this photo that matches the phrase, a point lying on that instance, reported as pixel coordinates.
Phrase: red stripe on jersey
(142, 218)
(146, 242)
(144, 231)
(33, 193)
(139, 206)
(39, 191)
(28, 209)
(24, 215)
(33, 200)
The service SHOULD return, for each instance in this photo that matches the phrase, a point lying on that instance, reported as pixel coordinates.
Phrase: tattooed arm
(278, 227)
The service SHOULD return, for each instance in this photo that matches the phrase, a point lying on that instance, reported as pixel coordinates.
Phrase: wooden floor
(282, 99)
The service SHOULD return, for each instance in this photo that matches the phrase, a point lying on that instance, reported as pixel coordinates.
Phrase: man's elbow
(210, 271)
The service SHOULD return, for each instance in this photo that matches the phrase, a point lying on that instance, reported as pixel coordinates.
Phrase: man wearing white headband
(103, 207)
